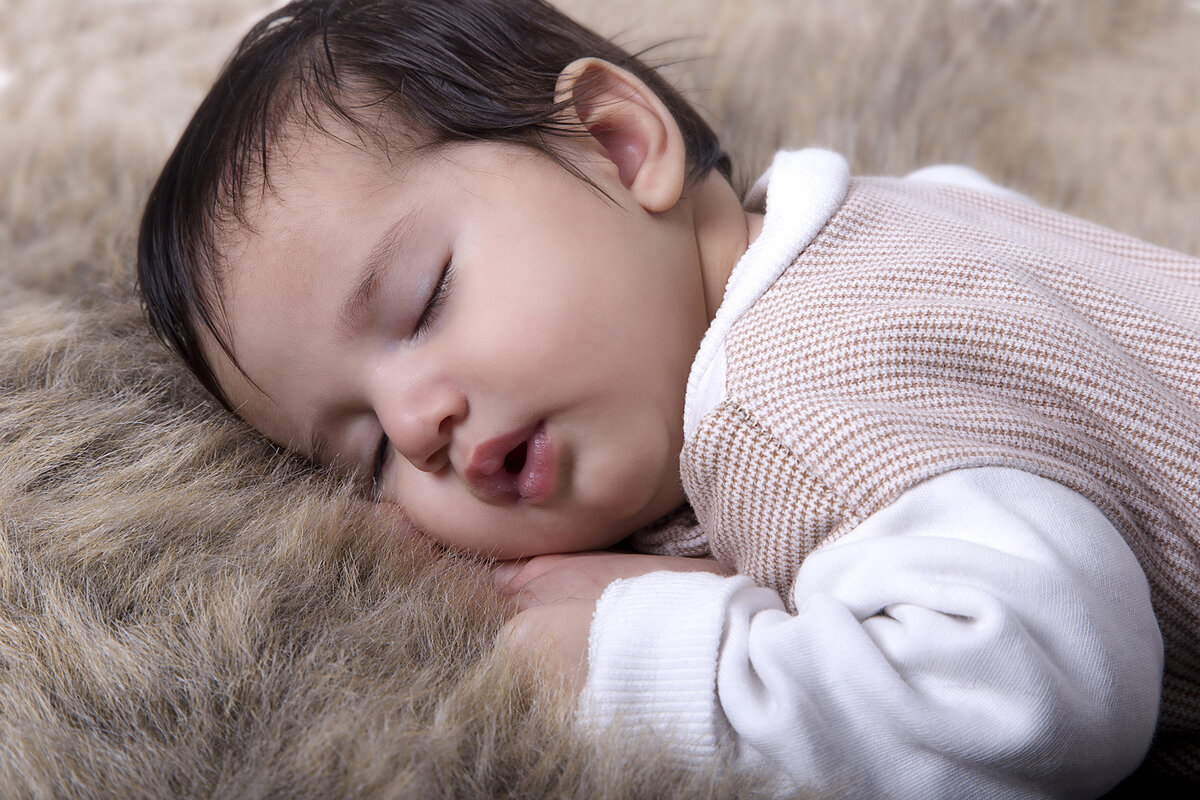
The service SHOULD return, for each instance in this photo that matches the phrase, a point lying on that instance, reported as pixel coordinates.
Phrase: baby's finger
(504, 573)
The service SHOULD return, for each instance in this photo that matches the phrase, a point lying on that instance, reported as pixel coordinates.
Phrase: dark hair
(448, 70)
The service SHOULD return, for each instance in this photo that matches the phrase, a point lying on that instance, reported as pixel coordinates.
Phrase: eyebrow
(368, 274)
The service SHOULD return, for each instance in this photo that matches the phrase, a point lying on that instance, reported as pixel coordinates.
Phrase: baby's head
(464, 250)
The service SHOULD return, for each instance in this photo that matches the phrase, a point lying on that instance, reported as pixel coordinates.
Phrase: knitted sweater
(914, 330)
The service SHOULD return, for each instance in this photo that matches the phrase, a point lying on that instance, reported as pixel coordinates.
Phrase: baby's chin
(566, 528)
(551, 545)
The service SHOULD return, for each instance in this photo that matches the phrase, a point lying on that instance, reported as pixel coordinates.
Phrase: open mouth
(514, 462)
(516, 467)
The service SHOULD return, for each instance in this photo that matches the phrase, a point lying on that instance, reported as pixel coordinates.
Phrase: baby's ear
(628, 125)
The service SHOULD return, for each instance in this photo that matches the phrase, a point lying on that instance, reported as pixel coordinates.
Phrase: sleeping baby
(904, 473)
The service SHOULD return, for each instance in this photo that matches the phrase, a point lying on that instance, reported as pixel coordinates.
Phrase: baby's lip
(516, 466)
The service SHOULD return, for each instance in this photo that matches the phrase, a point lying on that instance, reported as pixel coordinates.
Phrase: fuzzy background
(186, 612)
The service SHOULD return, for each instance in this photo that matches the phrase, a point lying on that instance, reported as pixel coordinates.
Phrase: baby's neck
(724, 230)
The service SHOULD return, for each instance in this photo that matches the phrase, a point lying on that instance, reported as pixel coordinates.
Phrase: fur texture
(185, 611)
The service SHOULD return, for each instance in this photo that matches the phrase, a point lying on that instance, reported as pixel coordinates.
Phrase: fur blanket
(186, 611)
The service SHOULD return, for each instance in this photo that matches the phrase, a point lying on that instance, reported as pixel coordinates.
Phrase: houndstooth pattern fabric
(929, 328)
(676, 534)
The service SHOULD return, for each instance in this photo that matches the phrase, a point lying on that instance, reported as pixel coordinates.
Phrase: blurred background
(1089, 105)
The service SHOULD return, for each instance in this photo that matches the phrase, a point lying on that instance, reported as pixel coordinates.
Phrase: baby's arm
(989, 635)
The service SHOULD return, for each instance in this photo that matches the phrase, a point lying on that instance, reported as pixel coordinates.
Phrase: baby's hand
(559, 631)
(556, 597)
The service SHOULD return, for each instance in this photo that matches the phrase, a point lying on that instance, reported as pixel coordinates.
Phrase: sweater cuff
(652, 660)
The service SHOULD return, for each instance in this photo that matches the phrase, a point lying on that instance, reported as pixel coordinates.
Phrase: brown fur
(185, 611)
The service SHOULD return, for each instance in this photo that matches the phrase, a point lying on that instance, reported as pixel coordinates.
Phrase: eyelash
(437, 299)
(378, 463)
(429, 315)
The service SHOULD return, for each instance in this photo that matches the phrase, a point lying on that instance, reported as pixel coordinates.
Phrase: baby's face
(504, 349)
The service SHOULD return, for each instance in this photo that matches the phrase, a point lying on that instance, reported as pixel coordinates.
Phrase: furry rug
(185, 611)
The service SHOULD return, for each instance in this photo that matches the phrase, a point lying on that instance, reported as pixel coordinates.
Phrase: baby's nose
(421, 427)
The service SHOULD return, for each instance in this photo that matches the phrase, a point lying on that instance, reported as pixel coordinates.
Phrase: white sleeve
(990, 634)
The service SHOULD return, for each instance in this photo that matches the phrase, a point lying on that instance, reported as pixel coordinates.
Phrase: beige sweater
(926, 329)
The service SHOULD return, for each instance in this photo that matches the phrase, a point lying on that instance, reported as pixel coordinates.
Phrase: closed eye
(437, 299)
(378, 465)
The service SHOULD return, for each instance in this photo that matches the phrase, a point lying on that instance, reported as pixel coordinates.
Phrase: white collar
(799, 192)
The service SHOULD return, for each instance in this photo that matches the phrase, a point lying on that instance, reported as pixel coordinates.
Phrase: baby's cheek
(389, 539)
